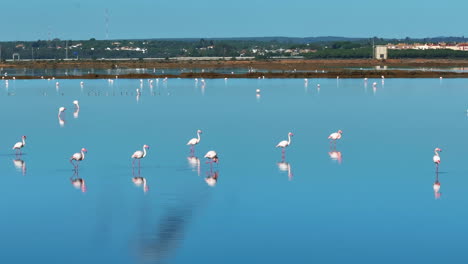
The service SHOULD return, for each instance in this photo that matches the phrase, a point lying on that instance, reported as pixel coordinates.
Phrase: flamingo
(194, 141)
(77, 105)
(335, 136)
(19, 145)
(139, 155)
(436, 157)
(61, 110)
(284, 144)
(78, 157)
(212, 156)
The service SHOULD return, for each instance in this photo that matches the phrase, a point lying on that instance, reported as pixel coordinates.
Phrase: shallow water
(373, 203)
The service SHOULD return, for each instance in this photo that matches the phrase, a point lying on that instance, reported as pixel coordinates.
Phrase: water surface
(370, 200)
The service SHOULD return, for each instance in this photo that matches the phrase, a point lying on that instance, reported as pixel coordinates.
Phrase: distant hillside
(270, 39)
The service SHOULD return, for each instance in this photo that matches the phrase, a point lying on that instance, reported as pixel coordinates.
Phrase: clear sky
(85, 19)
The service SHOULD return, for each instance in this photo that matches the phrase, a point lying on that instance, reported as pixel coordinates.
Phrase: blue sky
(235, 18)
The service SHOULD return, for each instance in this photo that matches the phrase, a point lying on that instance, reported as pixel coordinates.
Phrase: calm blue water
(376, 205)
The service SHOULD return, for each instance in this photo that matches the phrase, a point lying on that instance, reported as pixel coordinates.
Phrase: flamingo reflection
(335, 155)
(138, 180)
(285, 166)
(212, 178)
(194, 163)
(436, 187)
(77, 182)
(20, 165)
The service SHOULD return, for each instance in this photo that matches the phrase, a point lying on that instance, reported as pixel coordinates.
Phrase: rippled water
(370, 200)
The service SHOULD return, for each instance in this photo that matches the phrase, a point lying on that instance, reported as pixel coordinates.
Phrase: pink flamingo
(335, 136)
(194, 141)
(212, 156)
(436, 158)
(78, 157)
(284, 144)
(139, 155)
(19, 145)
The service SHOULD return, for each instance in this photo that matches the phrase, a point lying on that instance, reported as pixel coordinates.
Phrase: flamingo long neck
(289, 139)
(24, 141)
(436, 153)
(198, 134)
(82, 155)
(144, 151)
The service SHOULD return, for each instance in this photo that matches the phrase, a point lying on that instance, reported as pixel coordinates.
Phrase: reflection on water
(436, 187)
(138, 180)
(122, 221)
(285, 166)
(212, 178)
(20, 165)
(194, 163)
(335, 155)
(77, 182)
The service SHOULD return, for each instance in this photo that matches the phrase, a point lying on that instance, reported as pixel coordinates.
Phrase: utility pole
(373, 49)
(66, 50)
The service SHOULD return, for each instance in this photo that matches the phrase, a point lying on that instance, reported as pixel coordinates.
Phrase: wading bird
(139, 155)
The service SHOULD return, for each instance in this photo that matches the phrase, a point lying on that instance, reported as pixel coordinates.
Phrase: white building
(380, 52)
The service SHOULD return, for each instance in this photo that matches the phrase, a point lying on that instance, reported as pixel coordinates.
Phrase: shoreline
(289, 68)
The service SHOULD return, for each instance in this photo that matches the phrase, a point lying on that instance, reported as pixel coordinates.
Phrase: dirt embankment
(288, 68)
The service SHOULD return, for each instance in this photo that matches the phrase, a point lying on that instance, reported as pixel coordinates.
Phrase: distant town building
(380, 52)
(429, 46)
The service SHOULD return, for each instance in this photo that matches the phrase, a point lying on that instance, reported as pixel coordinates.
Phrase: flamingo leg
(74, 166)
(139, 164)
(133, 162)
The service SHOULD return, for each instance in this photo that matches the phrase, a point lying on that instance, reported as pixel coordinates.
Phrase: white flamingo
(61, 110)
(77, 157)
(436, 157)
(76, 103)
(139, 155)
(212, 156)
(284, 144)
(194, 141)
(19, 145)
(335, 136)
